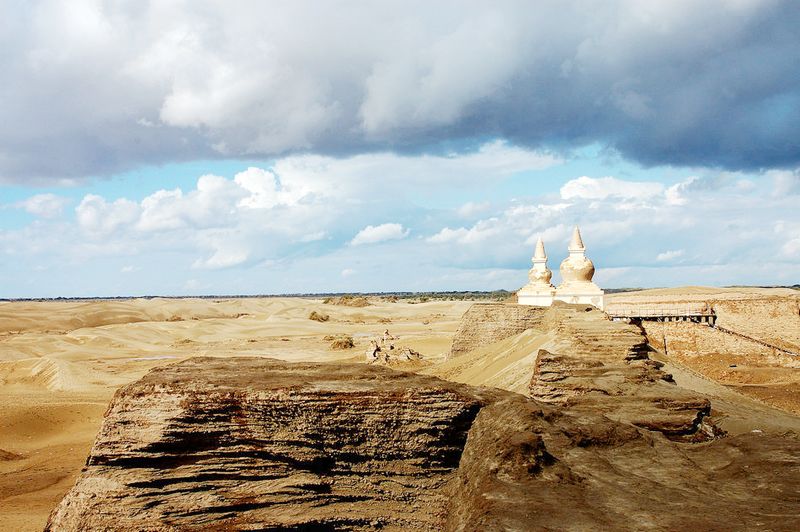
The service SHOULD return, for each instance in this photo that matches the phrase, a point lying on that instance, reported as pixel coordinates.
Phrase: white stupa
(576, 276)
(538, 292)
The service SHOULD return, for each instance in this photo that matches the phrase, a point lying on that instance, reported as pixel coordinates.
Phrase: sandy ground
(60, 363)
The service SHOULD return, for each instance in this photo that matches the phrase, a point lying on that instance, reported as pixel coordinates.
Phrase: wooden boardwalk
(694, 312)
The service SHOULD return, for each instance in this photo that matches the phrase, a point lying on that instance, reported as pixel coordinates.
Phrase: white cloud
(222, 258)
(675, 193)
(374, 175)
(229, 247)
(129, 269)
(589, 188)
(379, 233)
(480, 232)
(192, 285)
(210, 204)
(517, 223)
(261, 221)
(791, 248)
(784, 182)
(552, 234)
(670, 255)
(262, 186)
(178, 81)
(471, 209)
(348, 272)
(162, 211)
(654, 230)
(788, 232)
(44, 205)
(96, 215)
(449, 235)
(435, 88)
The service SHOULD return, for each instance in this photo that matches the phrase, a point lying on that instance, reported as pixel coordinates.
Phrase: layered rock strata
(603, 366)
(590, 364)
(258, 444)
(262, 444)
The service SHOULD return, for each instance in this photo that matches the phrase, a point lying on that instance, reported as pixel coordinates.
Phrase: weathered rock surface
(531, 468)
(487, 323)
(775, 320)
(584, 362)
(258, 444)
(598, 365)
(695, 339)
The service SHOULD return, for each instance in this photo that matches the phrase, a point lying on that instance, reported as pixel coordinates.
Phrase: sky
(213, 147)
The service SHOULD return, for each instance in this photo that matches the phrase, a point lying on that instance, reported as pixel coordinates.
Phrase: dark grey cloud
(94, 87)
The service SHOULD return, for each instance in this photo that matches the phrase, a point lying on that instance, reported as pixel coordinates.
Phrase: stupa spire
(576, 244)
(538, 291)
(540, 252)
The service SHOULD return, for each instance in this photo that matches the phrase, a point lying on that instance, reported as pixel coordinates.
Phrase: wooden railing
(647, 311)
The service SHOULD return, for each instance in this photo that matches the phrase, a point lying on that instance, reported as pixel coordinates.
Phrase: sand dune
(37, 372)
(506, 364)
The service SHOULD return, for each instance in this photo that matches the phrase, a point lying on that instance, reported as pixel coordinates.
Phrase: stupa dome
(540, 276)
(576, 268)
(538, 291)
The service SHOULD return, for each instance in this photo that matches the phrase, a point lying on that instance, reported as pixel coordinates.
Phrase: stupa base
(541, 299)
(596, 299)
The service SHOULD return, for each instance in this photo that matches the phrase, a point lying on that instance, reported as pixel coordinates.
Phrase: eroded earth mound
(575, 357)
(260, 444)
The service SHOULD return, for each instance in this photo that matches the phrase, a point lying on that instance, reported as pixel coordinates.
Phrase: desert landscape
(404, 266)
(63, 361)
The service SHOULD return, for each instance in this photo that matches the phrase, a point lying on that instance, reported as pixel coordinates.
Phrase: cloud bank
(92, 88)
(281, 229)
(373, 234)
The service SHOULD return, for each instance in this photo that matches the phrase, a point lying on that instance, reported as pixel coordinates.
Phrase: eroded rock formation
(487, 323)
(591, 364)
(258, 444)
(528, 467)
(602, 366)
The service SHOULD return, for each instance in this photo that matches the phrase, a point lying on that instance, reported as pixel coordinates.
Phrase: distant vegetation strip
(452, 295)
(465, 295)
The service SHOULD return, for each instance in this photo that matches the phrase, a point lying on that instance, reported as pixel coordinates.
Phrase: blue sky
(179, 149)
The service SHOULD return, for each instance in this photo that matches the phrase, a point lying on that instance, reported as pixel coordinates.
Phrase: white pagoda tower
(538, 292)
(576, 276)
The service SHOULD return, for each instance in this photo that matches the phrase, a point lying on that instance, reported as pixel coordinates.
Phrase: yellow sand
(60, 363)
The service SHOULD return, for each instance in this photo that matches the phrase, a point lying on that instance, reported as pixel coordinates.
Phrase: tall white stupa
(538, 292)
(576, 276)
